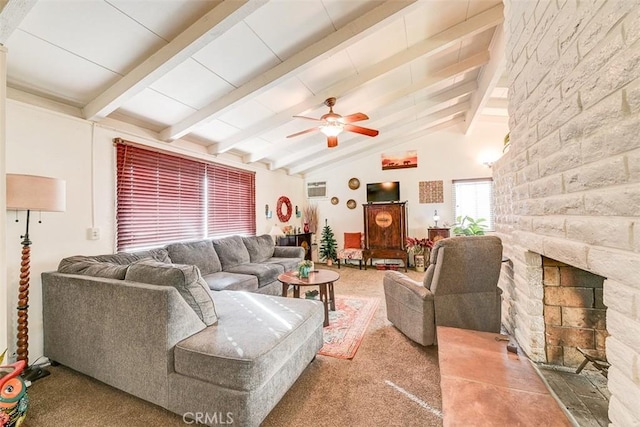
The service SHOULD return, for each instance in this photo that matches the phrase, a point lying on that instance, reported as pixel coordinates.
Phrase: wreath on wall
(284, 216)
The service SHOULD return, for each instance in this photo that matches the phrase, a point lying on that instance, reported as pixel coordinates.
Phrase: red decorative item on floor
(284, 216)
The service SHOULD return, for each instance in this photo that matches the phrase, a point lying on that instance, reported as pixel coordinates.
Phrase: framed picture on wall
(401, 160)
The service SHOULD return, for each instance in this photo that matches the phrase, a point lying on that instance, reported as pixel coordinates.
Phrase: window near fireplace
(164, 197)
(474, 198)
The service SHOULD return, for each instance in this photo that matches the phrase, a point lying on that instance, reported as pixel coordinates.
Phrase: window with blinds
(164, 198)
(474, 198)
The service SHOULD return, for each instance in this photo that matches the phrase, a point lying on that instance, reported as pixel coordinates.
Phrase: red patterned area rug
(347, 325)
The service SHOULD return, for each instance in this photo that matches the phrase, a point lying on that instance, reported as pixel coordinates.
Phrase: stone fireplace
(567, 191)
(574, 314)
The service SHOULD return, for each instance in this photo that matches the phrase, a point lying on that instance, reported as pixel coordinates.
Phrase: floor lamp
(31, 193)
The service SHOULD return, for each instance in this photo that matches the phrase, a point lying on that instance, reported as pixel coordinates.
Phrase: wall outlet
(93, 233)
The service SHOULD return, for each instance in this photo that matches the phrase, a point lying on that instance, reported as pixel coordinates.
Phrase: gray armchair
(460, 289)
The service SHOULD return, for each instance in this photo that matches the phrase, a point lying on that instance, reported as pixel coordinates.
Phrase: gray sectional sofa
(168, 325)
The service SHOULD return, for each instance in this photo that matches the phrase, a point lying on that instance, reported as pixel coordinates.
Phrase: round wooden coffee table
(322, 278)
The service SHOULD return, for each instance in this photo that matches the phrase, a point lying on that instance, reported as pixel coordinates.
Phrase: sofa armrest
(117, 331)
(288, 252)
(395, 278)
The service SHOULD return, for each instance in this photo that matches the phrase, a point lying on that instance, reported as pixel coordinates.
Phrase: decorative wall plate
(335, 200)
(354, 183)
(351, 204)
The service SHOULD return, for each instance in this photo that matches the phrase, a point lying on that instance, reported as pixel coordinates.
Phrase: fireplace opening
(574, 314)
(575, 333)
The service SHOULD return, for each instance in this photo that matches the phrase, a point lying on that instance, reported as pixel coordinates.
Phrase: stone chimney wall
(568, 188)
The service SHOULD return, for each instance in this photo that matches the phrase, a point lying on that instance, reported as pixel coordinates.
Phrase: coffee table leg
(285, 289)
(332, 298)
(325, 302)
(296, 291)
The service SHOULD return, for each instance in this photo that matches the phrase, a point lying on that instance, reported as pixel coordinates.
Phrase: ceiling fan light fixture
(331, 129)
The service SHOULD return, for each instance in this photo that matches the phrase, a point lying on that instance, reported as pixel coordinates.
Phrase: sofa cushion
(231, 281)
(260, 248)
(185, 278)
(286, 263)
(265, 272)
(159, 254)
(200, 253)
(235, 356)
(231, 251)
(88, 266)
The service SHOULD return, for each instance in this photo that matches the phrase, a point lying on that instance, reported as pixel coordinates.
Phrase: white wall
(42, 142)
(445, 156)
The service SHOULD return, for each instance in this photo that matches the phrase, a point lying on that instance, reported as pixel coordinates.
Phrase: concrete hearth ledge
(484, 384)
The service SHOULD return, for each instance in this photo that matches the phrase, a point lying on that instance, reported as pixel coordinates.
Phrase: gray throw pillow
(185, 278)
(87, 266)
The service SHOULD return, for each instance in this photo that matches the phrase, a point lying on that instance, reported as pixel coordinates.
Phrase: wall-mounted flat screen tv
(383, 192)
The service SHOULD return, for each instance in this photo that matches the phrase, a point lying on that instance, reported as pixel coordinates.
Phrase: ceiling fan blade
(354, 118)
(308, 118)
(361, 130)
(303, 132)
(332, 141)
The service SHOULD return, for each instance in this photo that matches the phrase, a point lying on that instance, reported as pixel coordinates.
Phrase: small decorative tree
(328, 244)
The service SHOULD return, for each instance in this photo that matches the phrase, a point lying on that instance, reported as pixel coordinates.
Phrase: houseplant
(467, 226)
(419, 248)
(328, 244)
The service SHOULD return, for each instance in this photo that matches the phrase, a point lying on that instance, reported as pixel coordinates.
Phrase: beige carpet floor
(391, 381)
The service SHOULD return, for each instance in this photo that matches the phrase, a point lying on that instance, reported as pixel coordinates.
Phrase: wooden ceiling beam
(340, 39)
(12, 13)
(206, 29)
(428, 47)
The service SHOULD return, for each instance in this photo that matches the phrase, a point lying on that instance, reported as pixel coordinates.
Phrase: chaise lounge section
(149, 331)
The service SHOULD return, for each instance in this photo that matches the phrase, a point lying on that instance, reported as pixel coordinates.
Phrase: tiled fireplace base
(483, 384)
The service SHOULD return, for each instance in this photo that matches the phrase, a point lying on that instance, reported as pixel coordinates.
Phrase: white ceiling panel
(133, 61)
(342, 12)
(238, 55)
(109, 38)
(379, 46)
(425, 24)
(215, 131)
(246, 114)
(45, 68)
(192, 84)
(288, 93)
(167, 21)
(300, 23)
(157, 107)
(327, 72)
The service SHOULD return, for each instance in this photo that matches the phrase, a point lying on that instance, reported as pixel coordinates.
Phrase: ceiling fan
(332, 124)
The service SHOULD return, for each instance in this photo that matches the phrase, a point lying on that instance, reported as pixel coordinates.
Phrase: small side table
(433, 232)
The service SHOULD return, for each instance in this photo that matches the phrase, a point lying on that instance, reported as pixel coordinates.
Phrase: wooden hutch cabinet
(385, 231)
(303, 240)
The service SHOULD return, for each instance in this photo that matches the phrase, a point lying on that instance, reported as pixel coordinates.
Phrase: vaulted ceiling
(231, 75)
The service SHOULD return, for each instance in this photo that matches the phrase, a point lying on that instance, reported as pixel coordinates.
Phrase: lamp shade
(37, 193)
(276, 231)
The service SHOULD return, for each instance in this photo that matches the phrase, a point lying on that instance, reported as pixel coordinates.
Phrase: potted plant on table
(419, 248)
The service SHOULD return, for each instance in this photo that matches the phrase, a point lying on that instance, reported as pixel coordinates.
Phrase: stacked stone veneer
(569, 186)
(574, 313)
